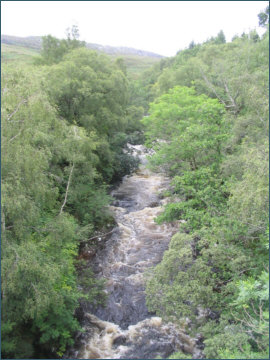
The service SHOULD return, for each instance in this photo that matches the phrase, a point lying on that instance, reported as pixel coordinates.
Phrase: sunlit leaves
(191, 127)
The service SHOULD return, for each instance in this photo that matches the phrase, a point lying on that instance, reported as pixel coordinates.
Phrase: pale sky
(163, 27)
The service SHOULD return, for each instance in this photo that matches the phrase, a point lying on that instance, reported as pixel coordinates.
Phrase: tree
(49, 175)
(254, 36)
(218, 262)
(88, 90)
(121, 65)
(264, 17)
(191, 45)
(195, 122)
(53, 49)
(73, 33)
(73, 36)
(220, 39)
(37, 287)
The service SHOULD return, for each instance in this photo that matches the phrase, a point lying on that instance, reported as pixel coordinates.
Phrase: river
(124, 329)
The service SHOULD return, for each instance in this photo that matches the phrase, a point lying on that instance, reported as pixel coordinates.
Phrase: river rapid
(124, 329)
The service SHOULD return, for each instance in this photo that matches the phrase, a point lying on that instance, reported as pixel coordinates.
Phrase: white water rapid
(124, 329)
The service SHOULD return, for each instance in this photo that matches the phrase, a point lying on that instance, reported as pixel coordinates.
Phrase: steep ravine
(124, 329)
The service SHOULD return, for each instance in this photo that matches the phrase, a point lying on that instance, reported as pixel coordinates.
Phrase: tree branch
(234, 105)
(3, 222)
(14, 137)
(65, 200)
(211, 87)
(97, 236)
(17, 108)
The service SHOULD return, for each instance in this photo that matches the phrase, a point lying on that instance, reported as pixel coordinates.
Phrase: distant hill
(122, 50)
(35, 42)
(32, 42)
(15, 48)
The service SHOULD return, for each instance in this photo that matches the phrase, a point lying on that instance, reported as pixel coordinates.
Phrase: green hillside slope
(19, 48)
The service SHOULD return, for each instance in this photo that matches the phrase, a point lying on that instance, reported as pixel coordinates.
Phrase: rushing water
(124, 329)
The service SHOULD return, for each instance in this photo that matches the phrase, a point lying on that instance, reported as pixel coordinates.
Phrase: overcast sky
(163, 27)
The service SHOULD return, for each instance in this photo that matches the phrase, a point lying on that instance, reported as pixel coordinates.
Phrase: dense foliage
(64, 127)
(209, 127)
(65, 122)
(53, 50)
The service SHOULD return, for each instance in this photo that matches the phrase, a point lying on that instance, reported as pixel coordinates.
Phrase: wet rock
(153, 204)
(88, 253)
(199, 341)
(79, 313)
(120, 340)
(151, 344)
(213, 315)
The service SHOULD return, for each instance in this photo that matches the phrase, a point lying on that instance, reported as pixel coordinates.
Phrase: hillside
(32, 42)
(24, 48)
(35, 42)
(16, 52)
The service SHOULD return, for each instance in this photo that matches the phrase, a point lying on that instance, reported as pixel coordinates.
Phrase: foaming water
(146, 339)
(124, 328)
